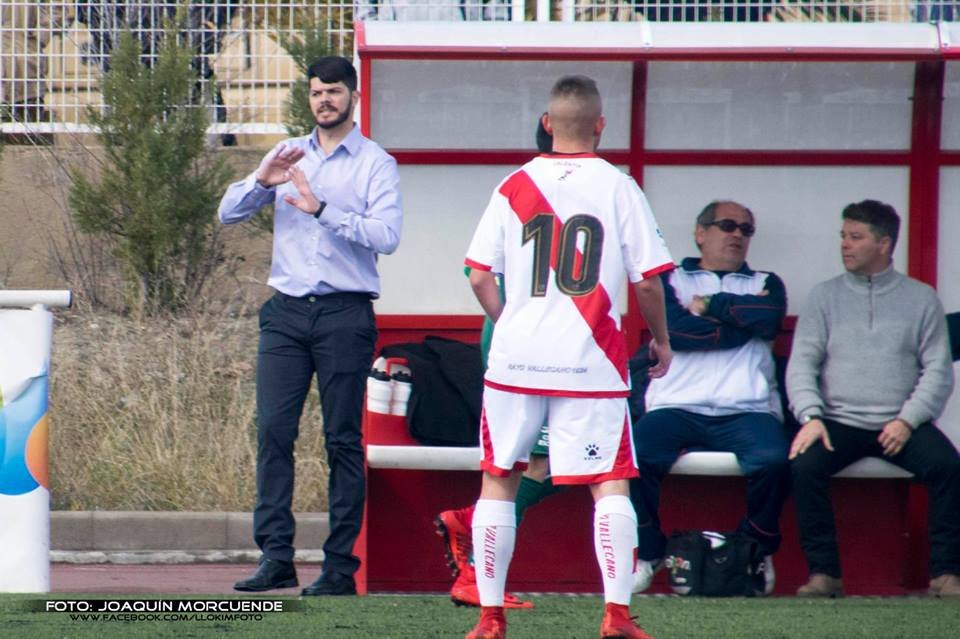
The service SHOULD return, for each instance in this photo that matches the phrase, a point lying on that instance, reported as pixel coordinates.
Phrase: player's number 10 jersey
(565, 231)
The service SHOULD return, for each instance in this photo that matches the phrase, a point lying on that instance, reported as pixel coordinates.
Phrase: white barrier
(25, 338)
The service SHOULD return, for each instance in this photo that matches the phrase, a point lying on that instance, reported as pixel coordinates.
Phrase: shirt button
(312, 299)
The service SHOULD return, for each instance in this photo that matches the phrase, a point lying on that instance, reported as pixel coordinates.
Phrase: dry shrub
(158, 414)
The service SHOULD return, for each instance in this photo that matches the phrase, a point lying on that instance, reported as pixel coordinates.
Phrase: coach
(337, 207)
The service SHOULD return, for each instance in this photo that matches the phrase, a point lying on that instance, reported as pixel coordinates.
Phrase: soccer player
(535, 485)
(565, 230)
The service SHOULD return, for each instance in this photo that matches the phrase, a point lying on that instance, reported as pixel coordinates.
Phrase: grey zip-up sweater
(868, 350)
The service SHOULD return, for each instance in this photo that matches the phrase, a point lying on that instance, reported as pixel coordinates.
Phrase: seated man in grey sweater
(869, 372)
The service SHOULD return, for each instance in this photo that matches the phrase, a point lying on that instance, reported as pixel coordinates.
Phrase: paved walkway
(181, 579)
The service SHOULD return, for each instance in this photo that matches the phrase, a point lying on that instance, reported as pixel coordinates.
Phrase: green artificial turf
(559, 617)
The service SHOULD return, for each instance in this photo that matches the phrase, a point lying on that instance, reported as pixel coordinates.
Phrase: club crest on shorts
(592, 453)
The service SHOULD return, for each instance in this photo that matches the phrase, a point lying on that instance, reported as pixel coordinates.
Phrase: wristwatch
(319, 210)
(809, 417)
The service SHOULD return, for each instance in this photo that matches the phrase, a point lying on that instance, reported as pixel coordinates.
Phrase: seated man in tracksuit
(721, 391)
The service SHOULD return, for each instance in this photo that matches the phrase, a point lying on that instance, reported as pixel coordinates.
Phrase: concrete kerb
(133, 537)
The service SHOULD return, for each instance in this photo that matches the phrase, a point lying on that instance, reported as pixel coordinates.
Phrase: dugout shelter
(795, 120)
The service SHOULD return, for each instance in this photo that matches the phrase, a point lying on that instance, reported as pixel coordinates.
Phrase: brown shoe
(821, 585)
(945, 586)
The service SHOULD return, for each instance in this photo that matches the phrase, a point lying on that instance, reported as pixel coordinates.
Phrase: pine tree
(309, 43)
(156, 194)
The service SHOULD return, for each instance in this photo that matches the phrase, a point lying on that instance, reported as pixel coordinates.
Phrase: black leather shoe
(270, 574)
(331, 584)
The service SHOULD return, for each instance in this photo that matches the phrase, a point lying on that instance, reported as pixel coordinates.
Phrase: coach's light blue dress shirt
(336, 253)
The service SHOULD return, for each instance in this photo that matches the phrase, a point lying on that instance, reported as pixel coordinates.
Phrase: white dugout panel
(950, 131)
(948, 280)
(483, 104)
(441, 208)
(797, 210)
(948, 255)
(779, 105)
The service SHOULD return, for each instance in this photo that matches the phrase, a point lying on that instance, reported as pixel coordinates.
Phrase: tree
(158, 186)
(309, 43)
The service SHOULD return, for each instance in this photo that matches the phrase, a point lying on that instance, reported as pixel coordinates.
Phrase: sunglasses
(729, 226)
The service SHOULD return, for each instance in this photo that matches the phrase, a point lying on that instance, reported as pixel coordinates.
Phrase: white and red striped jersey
(565, 231)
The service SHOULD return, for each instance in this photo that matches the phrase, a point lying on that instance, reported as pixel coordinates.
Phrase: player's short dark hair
(332, 69)
(579, 86)
(882, 218)
(709, 212)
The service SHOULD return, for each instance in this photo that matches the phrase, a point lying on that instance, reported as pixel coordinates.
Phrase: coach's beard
(340, 119)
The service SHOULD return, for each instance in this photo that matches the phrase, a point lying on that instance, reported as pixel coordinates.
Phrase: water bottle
(379, 392)
(402, 386)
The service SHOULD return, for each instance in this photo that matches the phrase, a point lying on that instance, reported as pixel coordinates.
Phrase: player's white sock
(615, 541)
(494, 534)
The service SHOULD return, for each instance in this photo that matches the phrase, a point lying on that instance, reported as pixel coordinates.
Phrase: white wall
(950, 131)
(779, 105)
(441, 208)
(444, 104)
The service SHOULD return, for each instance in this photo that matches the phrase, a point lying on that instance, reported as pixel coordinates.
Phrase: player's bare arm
(484, 284)
(649, 294)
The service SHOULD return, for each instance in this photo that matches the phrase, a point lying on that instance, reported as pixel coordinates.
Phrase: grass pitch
(555, 617)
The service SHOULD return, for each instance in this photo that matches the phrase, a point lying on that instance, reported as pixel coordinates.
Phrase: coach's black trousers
(928, 454)
(331, 337)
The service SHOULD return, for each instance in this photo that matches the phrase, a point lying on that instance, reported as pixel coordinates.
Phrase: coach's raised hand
(275, 167)
(307, 201)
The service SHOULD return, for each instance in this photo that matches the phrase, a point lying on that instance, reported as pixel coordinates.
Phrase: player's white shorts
(590, 438)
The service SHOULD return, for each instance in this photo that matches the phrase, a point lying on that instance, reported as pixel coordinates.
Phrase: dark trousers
(332, 337)
(928, 454)
(757, 439)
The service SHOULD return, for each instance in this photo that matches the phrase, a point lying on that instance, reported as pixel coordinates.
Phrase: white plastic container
(402, 387)
(379, 392)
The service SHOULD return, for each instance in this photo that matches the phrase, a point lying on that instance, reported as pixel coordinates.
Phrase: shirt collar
(693, 264)
(350, 143)
(879, 281)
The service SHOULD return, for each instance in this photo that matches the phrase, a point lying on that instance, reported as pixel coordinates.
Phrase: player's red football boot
(455, 526)
(617, 624)
(492, 625)
(465, 593)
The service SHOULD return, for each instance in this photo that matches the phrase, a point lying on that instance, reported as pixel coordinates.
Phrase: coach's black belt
(348, 298)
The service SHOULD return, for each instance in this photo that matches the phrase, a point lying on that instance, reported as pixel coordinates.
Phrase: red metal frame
(925, 171)
(508, 157)
(632, 324)
(924, 158)
(681, 157)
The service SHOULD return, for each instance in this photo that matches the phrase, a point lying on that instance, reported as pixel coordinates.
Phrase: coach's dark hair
(882, 218)
(709, 212)
(574, 85)
(332, 69)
